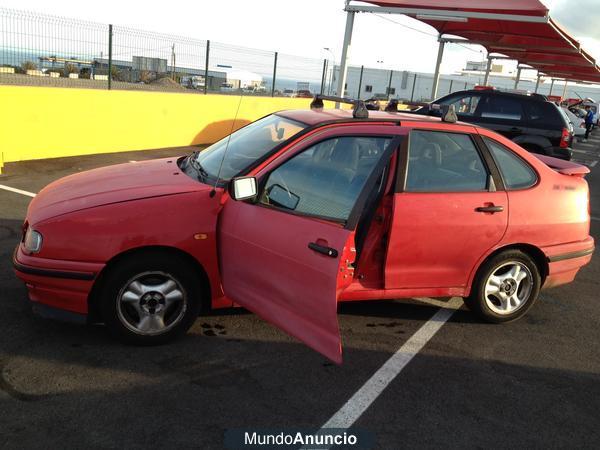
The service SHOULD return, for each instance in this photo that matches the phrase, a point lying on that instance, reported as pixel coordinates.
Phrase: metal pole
(331, 75)
(324, 76)
(537, 83)
(206, 67)
(487, 71)
(450, 90)
(274, 75)
(345, 55)
(465, 85)
(438, 64)
(551, 86)
(565, 89)
(412, 94)
(389, 89)
(362, 68)
(110, 35)
(518, 76)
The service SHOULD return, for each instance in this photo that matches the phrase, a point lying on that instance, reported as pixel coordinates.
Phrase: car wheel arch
(94, 296)
(532, 251)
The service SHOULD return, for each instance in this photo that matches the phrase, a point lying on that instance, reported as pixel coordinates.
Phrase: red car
(300, 210)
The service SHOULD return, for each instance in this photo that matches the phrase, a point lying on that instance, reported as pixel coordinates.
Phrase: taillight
(565, 139)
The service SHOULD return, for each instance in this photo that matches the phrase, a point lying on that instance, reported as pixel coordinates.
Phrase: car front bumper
(57, 289)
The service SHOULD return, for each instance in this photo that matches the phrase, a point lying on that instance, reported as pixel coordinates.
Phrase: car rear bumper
(57, 289)
(564, 261)
(558, 152)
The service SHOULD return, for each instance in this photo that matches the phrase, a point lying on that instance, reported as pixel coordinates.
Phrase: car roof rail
(359, 111)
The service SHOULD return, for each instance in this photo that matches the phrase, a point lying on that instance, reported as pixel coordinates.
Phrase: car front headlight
(32, 241)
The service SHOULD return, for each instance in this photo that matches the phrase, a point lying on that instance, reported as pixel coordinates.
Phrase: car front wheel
(150, 299)
(505, 288)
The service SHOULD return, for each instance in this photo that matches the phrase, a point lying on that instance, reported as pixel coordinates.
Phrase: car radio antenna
(214, 189)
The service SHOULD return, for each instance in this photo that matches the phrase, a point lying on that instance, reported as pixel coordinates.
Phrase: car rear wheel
(150, 299)
(505, 288)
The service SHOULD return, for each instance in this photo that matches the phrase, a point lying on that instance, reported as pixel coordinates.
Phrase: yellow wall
(40, 122)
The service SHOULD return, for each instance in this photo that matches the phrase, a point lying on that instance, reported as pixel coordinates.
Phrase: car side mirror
(280, 133)
(243, 188)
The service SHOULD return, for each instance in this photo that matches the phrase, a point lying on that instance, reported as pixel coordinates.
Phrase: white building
(416, 86)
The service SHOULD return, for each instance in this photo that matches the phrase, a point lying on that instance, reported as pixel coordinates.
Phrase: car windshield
(243, 148)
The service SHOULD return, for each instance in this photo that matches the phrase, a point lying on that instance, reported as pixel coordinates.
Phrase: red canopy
(519, 29)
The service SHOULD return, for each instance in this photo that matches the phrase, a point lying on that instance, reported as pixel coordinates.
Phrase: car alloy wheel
(508, 288)
(151, 303)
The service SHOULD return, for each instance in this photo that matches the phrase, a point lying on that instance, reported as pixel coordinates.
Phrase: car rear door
(288, 255)
(449, 211)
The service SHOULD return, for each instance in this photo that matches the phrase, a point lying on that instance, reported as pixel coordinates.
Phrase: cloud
(580, 18)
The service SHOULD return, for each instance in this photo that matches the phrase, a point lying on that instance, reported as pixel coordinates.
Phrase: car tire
(150, 299)
(505, 288)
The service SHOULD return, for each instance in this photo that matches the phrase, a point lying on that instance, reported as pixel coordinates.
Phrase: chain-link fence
(43, 50)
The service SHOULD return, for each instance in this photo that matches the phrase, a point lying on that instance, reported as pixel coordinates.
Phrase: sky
(305, 28)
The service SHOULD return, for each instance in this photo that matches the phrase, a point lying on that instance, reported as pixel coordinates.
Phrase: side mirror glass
(243, 188)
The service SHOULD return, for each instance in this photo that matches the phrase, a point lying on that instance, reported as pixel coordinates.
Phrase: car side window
(466, 105)
(326, 179)
(444, 162)
(516, 173)
(504, 108)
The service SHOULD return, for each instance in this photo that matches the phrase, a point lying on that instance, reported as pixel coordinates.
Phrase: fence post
(412, 94)
(110, 35)
(362, 68)
(389, 89)
(274, 75)
(206, 67)
(324, 76)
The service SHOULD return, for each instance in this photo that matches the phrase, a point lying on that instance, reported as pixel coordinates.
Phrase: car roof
(531, 96)
(318, 116)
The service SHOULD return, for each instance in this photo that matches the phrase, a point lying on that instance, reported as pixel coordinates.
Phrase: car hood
(112, 184)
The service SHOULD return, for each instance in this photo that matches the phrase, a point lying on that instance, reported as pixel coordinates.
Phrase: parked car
(531, 121)
(301, 210)
(577, 122)
(303, 93)
(288, 93)
(375, 103)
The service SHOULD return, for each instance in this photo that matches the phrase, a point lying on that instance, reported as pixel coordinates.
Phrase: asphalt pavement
(534, 383)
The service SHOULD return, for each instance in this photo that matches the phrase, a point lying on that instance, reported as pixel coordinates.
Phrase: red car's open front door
(288, 254)
(288, 269)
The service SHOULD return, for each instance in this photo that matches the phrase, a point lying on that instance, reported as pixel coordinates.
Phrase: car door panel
(271, 270)
(437, 239)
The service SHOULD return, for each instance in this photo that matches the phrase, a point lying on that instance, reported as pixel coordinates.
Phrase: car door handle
(490, 209)
(328, 251)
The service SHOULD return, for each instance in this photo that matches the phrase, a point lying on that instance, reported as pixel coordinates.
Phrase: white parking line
(17, 191)
(368, 393)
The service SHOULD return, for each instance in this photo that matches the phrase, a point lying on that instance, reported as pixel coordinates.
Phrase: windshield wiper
(202, 173)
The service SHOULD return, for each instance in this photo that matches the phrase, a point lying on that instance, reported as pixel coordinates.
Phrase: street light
(327, 49)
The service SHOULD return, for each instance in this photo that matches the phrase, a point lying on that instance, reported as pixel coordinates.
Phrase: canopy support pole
(519, 68)
(537, 83)
(565, 89)
(345, 55)
(438, 65)
(487, 71)
(551, 86)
